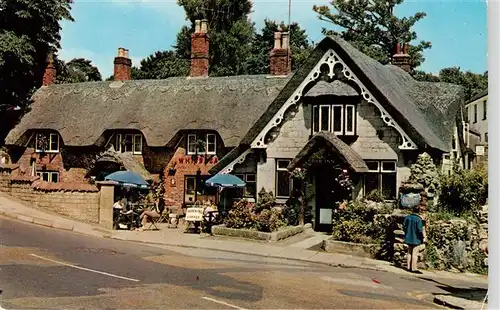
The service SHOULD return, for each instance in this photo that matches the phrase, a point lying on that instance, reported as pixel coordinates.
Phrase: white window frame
(49, 175)
(321, 106)
(276, 176)
(127, 136)
(354, 114)
(118, 142)
(189, 137)
(332, 117)
(50, 138)
(475, 113)
(208, 144)
(134, 150)
(314, 120)
(380, 171)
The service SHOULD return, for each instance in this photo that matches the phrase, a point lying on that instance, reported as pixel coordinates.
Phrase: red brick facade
(200, 50)
(281, 56)
(402, 58)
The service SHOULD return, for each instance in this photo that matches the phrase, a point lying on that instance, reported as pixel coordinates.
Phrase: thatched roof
(426, 111)
(330, 142)
(335, 88)
(126, 160)
(81, 112)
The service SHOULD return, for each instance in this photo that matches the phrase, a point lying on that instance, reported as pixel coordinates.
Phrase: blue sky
(456, 28)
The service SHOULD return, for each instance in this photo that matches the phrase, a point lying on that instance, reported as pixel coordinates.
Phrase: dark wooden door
(324, 200)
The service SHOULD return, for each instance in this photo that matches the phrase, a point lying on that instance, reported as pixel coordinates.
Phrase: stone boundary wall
(77, 201)
(222, 230)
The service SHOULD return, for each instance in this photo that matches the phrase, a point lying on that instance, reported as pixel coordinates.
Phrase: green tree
(77, 70)
(372, 27)
(263, 42)
(230, 31)
(29, 30)
(472, 83)
(162, 65)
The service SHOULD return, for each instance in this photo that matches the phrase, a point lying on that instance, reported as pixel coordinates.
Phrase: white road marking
(223, 303)
(86, 269)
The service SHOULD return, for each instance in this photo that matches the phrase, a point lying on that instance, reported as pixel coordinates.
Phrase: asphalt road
(47, 268)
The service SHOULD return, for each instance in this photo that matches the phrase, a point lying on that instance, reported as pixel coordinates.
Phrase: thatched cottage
(357, 114)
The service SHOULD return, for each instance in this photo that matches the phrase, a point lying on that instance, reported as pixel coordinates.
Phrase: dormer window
(47, 143)
(202, 144)
(337, 118)
(128, 143)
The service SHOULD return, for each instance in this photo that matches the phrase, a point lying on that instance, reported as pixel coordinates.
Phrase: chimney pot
(121, 51)
(405, 48)
(204, 26)
(125, 53)
(285, 37)
(197, 26)
(277, 40)
(398, 48)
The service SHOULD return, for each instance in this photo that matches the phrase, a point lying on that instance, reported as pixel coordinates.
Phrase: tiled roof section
(331, 142)
(9, 166)
(81, 112)
(479, 95)
(24, 178)
(67, 187)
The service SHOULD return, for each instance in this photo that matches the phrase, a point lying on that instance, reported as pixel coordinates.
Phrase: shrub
(357, 223)
(269, 220)
(375, 195)
(424, 172)
(463, 191)
(241, 215)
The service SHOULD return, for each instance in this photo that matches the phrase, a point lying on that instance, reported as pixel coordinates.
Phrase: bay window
(48, 143)
(283, 178)
(381, 177)
(337, 118)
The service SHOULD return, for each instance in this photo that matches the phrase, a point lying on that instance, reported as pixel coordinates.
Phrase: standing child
(413, 227)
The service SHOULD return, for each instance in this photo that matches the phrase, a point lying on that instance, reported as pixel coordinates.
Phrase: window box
(337, 118)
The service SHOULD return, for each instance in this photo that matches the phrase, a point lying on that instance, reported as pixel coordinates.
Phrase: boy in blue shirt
(413, 227)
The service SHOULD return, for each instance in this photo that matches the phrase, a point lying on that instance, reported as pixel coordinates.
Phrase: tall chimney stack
(402, 58)
(123, 66)
(200, 49)
(281, 55)
(49, 75)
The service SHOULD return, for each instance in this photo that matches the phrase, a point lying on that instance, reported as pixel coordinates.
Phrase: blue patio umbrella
(225, 181)
(127, 178)
(222, 181)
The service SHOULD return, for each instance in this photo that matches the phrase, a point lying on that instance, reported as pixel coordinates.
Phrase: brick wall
(5, 180)
(184, 165)
(79, 202)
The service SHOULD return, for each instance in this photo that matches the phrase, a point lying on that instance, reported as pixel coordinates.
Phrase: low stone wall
(356, 249)
(222, 230)
(78, 201)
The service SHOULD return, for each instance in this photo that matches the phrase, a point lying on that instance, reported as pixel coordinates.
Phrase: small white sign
(194, 214)
(480, 150)
(325, 216)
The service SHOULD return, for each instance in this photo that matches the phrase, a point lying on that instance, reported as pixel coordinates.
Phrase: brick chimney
(123, 66)
(49, 75)
(281, 55)
(402, 58)
(200, 49)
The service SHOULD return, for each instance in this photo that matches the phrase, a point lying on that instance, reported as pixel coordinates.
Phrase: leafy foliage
(373, 28)
(29, 30)
(472, 83)
(241, 215)
(424, 172)
(356, 222)
(269, 220)
(230, 31)
(463, 191)
(162, 65)
(77, 70)
(263, 43)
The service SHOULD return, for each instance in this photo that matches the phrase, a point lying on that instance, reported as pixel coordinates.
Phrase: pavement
(297, 248)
